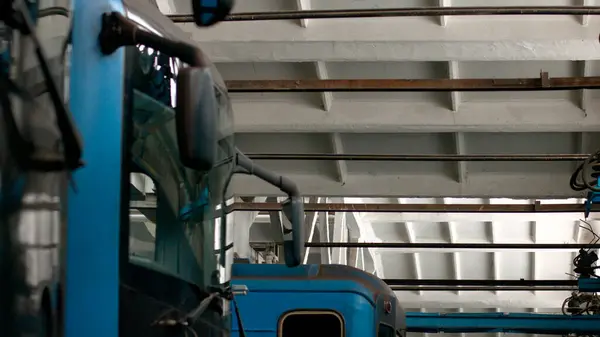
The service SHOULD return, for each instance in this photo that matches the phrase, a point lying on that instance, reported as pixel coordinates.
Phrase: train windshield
(174, 211)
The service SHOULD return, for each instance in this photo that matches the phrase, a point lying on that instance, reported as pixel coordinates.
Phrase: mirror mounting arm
(285, 184)
(118, 31)
(293, 208)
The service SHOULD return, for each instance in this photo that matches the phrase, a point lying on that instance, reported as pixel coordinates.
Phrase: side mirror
(196, 118)
(209, 12)
(293, 208)
(293, 240)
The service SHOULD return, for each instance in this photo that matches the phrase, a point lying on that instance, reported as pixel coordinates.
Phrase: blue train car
(315, 300)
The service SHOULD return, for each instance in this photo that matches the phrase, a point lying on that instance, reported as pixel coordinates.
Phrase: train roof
(313, 272)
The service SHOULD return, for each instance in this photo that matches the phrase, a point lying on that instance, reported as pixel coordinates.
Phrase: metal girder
(372, 85)
(465, 246)
(418, 157)
(421, 184)
(502, 322)
(419, 208)
(305, 14)
(347, 116)
(435, 300)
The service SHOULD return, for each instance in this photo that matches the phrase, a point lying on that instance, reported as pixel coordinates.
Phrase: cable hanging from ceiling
(586, 175)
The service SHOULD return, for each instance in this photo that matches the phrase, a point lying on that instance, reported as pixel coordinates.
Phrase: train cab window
(311, 323)
(142, 217)
(385, 330)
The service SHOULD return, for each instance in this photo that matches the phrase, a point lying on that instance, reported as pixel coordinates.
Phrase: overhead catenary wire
(400, 12)
(415, 208)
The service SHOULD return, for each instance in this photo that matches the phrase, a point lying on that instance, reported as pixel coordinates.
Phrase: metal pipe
(423, 245)
(401, 12)
(417, 157)
(480, 288)
(417, 208)
(422, 85)
(481, 283)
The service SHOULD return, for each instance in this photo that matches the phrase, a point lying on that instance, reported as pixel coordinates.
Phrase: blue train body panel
(274, 290)
(502, 322)
(362, 300)
(262, 320)
(95, 313)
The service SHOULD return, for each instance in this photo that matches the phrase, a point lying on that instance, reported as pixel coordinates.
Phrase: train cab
(315, 301)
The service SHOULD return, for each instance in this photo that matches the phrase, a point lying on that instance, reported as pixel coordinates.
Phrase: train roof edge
(313, 272)
(380, 292)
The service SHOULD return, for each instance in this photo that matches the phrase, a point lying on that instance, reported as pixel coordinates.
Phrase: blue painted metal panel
(261, 319)
(271, 270)
(92, 273)
(589, 285)
(173, 250)
(502, 322)
(306, 286)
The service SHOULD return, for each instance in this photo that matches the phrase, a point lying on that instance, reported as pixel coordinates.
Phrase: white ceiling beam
(496, 255)
(322, 74)
(455, 96)
(527, 186)
(303, 5)
(444, 19)
(366, 234)
(482, 300)
(533, 256)
(582, 146)
(340, 234)
(585, 98)
(415, 256)
(324, 235)
(363, 265)
(312, 218)
(341, 166)
(398, 40)
(475, 217)
(398, 117)
(405, 51)
(585, 19)
(461, 166)
(453, 238)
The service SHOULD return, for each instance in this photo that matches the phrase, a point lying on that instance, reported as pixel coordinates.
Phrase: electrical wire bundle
(580, 303)
(586, 175)
(584, 262)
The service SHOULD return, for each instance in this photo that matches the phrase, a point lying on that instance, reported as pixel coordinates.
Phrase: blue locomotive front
(315, 300)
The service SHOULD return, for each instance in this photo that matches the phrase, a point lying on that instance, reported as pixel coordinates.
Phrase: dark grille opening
(311, 324)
